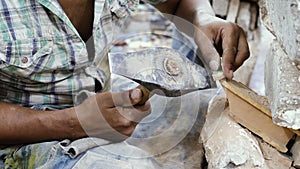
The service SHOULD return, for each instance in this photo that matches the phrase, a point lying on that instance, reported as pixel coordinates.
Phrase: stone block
(220, 7)
(282, 80)
(233, 10)
(282, 17)
(244, 16)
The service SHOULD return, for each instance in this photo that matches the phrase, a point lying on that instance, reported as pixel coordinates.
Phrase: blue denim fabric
(51, 155)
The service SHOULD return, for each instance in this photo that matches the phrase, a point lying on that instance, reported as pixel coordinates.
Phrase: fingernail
(230, 73)
(214, 65)
(135, 94)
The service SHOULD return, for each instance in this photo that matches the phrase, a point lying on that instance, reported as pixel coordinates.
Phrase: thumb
(136, 96)
(210, 54)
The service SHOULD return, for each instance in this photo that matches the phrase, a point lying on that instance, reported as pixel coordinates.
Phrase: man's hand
(217, 37)
(112, 116)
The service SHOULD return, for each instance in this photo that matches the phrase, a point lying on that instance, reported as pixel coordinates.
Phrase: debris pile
(248, 145)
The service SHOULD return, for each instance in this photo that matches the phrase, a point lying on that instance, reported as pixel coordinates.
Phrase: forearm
(186, 14)
(186, 9)
(24, 125)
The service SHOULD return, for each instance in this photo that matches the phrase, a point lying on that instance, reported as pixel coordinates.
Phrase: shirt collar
(55, 8)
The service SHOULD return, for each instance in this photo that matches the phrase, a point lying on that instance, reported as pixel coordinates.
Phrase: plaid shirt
(43, 60)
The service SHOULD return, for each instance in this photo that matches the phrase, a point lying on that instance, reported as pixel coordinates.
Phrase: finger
(145, 95)
(120, 124)
(127, 131)
(243, 52)
(229, 44)
(115, 118)
(135, 114)
(124, 98)
(123, 125)
(208, 50)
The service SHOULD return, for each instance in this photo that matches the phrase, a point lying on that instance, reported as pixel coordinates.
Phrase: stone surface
(233, 10)
(244, 16)
(262, 48)
(274, 159)
(243, 74)
(283, 19)
(296, 153)
(171, 131)
(254, 12)
(227, 144)
(220, 7)
(189, 154)
(282, 80)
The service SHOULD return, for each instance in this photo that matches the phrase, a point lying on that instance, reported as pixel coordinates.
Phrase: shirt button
(25, 60)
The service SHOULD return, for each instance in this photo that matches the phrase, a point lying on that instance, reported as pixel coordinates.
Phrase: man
(49, 51)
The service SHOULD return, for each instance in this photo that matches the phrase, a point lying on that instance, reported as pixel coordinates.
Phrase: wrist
(73, 128)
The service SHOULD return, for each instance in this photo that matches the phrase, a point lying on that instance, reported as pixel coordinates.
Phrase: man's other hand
(112, 115)
(216, 37)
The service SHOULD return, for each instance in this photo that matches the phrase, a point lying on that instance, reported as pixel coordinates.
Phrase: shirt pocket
(26, 57)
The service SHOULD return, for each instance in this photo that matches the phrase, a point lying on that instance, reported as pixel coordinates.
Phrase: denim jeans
(56, 155)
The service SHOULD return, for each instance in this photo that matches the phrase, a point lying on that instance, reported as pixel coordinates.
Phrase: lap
(53, 155)
(82, 153)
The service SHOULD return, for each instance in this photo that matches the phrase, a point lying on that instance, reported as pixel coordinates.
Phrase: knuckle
(236, 28)
(145, 108)
(116, 121)
(104, 99)
(232, 26)
(129, 131)
(125, 123)
(147, 112)
(126, 133)
(104, 95)
(243, 32)
(228, 66)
